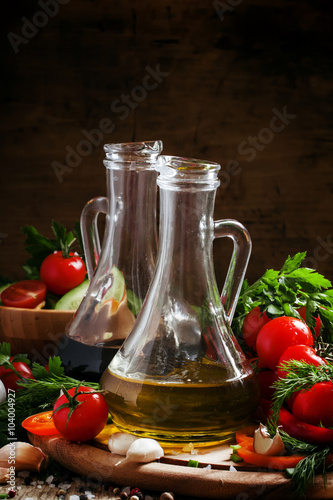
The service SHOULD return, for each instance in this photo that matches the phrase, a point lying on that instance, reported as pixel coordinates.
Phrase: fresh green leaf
(134, 303)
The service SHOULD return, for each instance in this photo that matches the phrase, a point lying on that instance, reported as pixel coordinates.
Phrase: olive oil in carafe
(207, 409)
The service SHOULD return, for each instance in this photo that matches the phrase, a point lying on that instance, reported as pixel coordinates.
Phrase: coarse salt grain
(207, 467)
(232, 468)
(74, 497)
(64, 486)
(49, 479)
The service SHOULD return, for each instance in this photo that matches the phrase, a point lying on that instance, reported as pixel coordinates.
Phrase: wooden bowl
(36, 332)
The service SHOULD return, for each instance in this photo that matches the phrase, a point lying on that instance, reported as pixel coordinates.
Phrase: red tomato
(300, 353)
(315, 406)
(252, 324)
(277, 335)
(27, 294)
(61, 274)
(302, 313)
(87, 420)
(266, 379)
(41, 424)
(9, 378)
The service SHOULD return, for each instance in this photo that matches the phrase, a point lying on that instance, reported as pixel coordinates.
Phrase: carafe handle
(238, 264)
(89, 230)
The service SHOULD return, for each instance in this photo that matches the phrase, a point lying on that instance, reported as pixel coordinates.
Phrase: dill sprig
(300, 376)
(305, 471)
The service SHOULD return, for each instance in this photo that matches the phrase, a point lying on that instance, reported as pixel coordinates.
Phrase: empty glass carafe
(180, 375)
(121, 271)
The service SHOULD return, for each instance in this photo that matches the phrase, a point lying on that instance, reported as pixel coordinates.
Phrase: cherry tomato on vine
(9, 378)
(28, 294)
(61, 274)
(300, 353)
(279, 334)
(252, 324)
(315, 406)
(83, 417)
(41, 424)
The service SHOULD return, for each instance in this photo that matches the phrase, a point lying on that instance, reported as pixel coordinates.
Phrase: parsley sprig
(282, 292)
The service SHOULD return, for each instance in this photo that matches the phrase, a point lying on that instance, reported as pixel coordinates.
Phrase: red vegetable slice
(41, 424)
(28, 294)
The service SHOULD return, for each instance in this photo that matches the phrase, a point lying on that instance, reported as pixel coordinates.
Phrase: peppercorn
(116, 491)
(123, 495)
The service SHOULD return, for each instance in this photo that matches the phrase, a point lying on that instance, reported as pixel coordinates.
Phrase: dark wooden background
(227, 71)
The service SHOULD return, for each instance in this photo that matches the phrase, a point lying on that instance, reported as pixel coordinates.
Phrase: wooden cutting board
(171, 473)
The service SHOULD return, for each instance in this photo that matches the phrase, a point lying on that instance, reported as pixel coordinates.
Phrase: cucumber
(72, 299)
(118, 286)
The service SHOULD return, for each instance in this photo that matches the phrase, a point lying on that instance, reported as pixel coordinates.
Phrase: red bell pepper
(309, 433)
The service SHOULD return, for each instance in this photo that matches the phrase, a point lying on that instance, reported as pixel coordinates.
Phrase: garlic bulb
(119, 442)
(3, 392)
(264, 444)
(24, 456)
(143, 450)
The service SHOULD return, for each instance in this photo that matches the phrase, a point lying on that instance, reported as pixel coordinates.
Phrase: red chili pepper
(312, 434)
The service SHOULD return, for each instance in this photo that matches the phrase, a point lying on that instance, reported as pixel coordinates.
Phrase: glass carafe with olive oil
(180, 375)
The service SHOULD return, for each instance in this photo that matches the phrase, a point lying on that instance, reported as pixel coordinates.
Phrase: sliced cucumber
(118, 286)
(72, 299)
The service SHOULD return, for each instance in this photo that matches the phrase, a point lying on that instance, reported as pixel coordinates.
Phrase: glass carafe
(121, 270)
(180, 375)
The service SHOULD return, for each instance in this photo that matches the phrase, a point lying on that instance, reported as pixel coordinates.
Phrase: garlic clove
(143, 450)
(4, 475)
(119, 442)
(264, 444)
(24, 456)
(3, 392)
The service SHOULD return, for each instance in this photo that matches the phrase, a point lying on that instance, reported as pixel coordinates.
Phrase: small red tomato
(302, 313)
(10, 379)
(315, 406)
(300, 353)
(28, 294)
(277, 335)
(86, 419)
(252, 324)
(61, 274)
